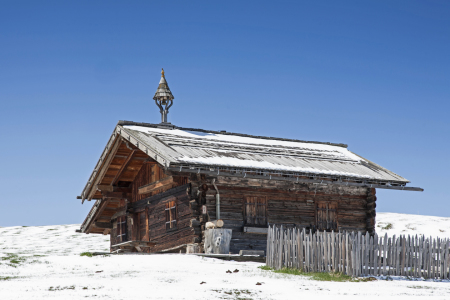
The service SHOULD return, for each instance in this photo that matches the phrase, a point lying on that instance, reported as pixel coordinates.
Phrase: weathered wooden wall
(290, 204)
(146, 212)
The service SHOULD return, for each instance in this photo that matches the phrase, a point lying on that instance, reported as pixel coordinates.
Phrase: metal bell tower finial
(163, 98)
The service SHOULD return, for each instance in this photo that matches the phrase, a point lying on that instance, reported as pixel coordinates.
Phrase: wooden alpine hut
(155, 186)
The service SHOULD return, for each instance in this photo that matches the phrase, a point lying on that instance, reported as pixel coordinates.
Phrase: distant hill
(412, 224)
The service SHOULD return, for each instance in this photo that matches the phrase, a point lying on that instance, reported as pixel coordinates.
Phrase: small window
(326, 216)
(255, 211)
(171, 215)
(122, 229)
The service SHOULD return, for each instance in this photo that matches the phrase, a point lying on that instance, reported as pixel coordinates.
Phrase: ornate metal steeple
(163, 98)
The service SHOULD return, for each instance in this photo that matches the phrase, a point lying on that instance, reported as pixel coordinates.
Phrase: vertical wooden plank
(433, 259)
(416, 256)
(394, 255)
(420, 260)
(301, 252)
(308, 252)
(388, 257)
(344, 253)
(269, 253)
(341, 251)
(423, 265)
(333, 257)
(349, 254)
(375, 255)
(366, 253)
(438, 259)
(357, 265)
(429, 256)
(379, 249)
(426, 258)
(363, 254)
(315, 251)
(268, 246)
(318, 252)
(371, 256)
(329, 262)
(398, 258)
(402, 255)
(367, 259)
(358, 254)
(280, 249)
(409, 256)
(352, 257)
(446, 260)
(328, 246)
(325, 251)
(294, 248)
(385, 249)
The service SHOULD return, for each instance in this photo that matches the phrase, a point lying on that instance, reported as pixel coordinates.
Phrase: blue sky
(372, 74)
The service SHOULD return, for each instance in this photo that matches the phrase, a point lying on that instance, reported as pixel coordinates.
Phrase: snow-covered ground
(44, 262)
(403, 224)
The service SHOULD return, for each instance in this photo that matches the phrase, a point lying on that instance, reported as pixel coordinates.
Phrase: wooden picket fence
(356, 254)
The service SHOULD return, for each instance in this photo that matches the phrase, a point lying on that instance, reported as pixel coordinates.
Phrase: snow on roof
(181, 146)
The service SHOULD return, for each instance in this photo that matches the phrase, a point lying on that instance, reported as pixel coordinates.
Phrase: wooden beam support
(116, 195)
(103, 225)
(101, 170)
(123, 167)
(146, 189)
(110, 188)
(297, 180)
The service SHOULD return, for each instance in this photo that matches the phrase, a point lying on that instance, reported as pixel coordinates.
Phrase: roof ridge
(123, 122)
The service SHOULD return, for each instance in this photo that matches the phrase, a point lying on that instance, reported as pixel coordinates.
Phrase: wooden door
(255, 211)
(326, 215)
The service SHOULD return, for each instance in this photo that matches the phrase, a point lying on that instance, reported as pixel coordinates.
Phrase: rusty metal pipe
(217, 199)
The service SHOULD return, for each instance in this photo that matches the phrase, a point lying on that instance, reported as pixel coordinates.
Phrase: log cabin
(155, 186)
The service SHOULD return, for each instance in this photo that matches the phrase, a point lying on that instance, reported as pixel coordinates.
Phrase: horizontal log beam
(103, 225)
(143, 244)
(117, 195)
(256, 230)
(297, 179)
(146, 189)
(146, 201)
(110, 188)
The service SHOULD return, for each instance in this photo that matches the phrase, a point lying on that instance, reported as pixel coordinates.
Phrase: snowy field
(44, 262)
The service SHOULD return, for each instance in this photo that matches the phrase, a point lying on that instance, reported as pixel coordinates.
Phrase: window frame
(171, 215)
(122, 229)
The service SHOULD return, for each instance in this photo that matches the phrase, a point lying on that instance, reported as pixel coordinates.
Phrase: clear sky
(372, 74)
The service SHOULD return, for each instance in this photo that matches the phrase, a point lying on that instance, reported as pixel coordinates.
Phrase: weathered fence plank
(356, 254)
